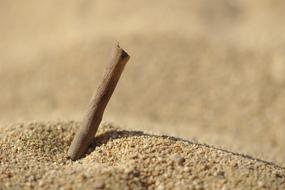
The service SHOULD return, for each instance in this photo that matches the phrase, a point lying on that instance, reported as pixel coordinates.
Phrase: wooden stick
(87, 131)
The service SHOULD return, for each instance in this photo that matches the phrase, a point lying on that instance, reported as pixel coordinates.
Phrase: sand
(212, 70)
(33, 155)
(205, 71)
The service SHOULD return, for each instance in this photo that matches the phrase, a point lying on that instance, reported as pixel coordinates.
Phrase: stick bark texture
(85, 134)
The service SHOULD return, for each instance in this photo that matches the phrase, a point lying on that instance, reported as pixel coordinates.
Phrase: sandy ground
(33, 155)
(212, 72)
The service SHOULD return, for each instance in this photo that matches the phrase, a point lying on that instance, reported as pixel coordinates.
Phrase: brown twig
(87, 131)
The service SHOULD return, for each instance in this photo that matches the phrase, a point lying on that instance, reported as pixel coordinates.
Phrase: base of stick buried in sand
(99, 101)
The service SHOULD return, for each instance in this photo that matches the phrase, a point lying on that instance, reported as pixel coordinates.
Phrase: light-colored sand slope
(34, 155)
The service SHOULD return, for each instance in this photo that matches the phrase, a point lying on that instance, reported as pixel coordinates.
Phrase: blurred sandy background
(206, 70)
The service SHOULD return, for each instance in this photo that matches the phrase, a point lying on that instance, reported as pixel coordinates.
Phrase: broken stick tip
(124, 55)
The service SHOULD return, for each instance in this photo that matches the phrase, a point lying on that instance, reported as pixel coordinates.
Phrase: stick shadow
(117, 134)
